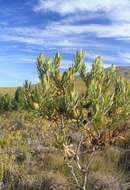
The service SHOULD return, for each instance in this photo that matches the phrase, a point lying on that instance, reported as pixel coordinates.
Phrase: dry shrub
(100, 181)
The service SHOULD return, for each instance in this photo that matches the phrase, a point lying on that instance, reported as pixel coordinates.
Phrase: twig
(63, 125)
(79, 145)
(85, 181)
(73, 173)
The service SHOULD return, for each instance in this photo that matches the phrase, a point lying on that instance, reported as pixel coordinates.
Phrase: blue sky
(29, 27)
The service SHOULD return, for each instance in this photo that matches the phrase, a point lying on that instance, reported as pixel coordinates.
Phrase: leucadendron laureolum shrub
(101, 110)
(106, 100)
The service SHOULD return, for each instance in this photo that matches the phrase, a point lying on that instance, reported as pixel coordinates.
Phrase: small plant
(19, 98)
(6, 102)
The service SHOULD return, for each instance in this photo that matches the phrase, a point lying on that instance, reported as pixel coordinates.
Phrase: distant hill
(124, 71)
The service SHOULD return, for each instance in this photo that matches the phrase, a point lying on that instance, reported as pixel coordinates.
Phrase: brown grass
(7, 90)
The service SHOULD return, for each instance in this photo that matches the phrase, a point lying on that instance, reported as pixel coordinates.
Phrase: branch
(73, 173)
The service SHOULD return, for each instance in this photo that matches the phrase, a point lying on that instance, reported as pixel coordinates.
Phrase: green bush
(19, 98)
(6, 103)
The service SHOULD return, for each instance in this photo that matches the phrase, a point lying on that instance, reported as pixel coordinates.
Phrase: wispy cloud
(99, 27)
(117, 11)
(100, 30)
(110, 7)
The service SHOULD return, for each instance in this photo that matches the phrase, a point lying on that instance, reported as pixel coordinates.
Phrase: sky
(30, 27)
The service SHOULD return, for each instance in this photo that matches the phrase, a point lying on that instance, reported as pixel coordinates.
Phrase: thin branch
(85, 181)
(62, 122)
(63, 125)
(90, 160)
(73, 173)
(79, 145)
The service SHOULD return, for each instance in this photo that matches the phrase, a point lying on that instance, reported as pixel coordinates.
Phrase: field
(31, 161)
(61, 142)
(7, 90)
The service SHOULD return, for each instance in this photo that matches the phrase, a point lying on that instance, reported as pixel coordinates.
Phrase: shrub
(6, 103)
(99, 114)
(19, 98)
(105, 104)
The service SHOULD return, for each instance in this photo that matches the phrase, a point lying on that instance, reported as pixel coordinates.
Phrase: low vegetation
(55, 136)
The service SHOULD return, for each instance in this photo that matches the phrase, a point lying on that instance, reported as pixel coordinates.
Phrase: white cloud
(115, 9)
(69, 35)
(100, 30)
(70, 39)
(71, 6)
(47, 37)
